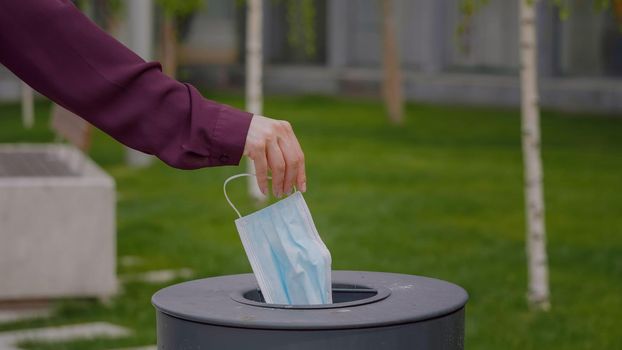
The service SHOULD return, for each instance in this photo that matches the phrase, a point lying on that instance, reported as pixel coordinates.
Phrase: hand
(271, 144)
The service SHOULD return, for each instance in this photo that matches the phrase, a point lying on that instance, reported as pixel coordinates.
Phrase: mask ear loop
(224, 189)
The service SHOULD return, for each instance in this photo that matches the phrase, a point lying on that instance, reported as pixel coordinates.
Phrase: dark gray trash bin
(371, 310)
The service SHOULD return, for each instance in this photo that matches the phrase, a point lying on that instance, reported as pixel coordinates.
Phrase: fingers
(301, 176)
(273, 146)
(294, 159)
(261, 170)
(276, 162)
(291, 165)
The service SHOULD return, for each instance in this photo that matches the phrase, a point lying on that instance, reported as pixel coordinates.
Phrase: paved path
(158, 276)
(15, 315)
(9, 340)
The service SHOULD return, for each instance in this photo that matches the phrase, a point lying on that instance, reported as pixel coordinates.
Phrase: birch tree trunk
(537, 265)
(392, 81)
(28, 106)
(254, 95)
(140, 13)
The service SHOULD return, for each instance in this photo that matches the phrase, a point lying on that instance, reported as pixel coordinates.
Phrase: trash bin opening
(344, 295)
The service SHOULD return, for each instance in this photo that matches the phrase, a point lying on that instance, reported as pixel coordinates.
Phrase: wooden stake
(169, 46)
(392, 82)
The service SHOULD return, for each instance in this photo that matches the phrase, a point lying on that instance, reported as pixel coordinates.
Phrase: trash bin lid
(400, 299)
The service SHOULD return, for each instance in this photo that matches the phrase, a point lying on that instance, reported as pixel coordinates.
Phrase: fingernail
(303, 188)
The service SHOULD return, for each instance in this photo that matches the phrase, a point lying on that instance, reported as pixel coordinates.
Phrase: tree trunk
(140, 13)
(169, 46)
(392, 80)
(617, 10)
(538, 291)
(254, 95)
(28, 106)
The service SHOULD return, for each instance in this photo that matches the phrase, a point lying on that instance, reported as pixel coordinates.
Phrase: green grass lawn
(440, 196)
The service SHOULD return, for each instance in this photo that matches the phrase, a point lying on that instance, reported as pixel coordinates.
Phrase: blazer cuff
(230, 135)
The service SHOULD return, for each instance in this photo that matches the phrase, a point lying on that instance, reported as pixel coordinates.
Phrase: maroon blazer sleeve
(58, 51)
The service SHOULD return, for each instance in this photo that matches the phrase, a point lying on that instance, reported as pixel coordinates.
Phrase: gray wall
(480, 67)
(427, 35)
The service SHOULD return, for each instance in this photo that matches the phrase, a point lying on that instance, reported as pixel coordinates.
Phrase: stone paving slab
(131, 261)
(9, 340)
(14, 315)
(158, 276)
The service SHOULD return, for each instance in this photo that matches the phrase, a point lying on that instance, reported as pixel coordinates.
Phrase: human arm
(58, 51)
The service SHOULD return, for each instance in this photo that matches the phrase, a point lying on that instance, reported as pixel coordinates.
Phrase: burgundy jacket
(60, 53)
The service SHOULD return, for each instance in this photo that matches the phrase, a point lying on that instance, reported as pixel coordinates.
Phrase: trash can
(370, 310)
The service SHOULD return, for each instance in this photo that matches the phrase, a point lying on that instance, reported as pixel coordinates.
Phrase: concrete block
(57, 224)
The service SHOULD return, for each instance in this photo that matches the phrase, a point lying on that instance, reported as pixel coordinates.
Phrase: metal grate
(33, 163)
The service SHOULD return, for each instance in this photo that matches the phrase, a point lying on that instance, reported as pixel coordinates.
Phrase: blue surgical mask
(289, 259)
